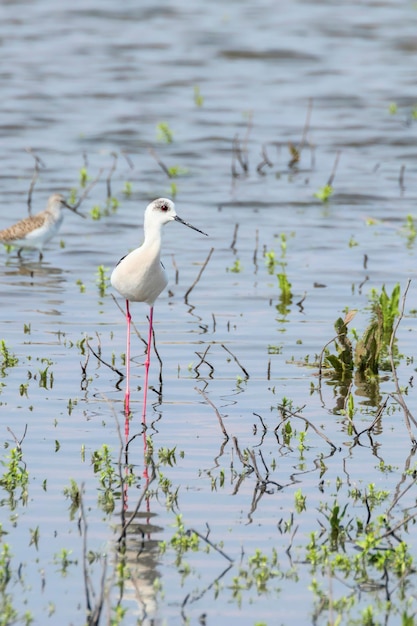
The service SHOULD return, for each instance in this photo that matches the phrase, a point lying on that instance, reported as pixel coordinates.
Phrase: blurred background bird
(35, 231)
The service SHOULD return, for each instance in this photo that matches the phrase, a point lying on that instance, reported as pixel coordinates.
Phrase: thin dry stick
(160, 163)
(174, 265)
(265, 161)
(255, 252)
(377, 417)
(93, 612)
(333, 174)
(87, 191)
(219, 417)
(38, 163)
(143, 495)
(241, 154)
(98, 357)
(199, 276)
(306, 125)
(17, 441)
(233, 244)
(203, 360)
(110, 174)
(398, 394)
(236, 360)
(401, 179)
(159, 360)
(132, 322)
(128, 159)
(300, 302)
(301, 417)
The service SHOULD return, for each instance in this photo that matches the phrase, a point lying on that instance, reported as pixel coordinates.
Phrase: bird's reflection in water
(31, 273)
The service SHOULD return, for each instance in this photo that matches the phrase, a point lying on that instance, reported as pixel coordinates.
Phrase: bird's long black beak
(178, 219)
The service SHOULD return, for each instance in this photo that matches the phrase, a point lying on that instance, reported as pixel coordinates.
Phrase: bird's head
(162, 211)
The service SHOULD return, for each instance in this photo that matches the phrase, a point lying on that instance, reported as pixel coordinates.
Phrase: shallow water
(81, 81)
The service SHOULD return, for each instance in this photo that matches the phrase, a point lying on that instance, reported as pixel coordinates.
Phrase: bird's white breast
(139, 276)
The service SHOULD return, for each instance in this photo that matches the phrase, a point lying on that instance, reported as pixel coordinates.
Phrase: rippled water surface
(91, 86)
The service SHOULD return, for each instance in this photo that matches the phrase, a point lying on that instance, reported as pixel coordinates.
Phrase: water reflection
(27, 273)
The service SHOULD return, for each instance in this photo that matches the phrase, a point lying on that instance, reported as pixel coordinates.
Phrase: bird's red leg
(127, 394)
(147, 364)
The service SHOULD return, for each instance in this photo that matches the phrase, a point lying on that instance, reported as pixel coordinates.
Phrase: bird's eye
(164, 208)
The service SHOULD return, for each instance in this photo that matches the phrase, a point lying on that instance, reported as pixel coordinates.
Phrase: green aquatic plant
(9, 580)
(198, 98)
(73, 493)
(342, 361)
(164, 132)
(258, 572)
(109, 479)
(103, 280)
(7, 358)
(285, 296)
(15, 478)
(371, 353)
(173, 190)
(271, 261)
(176, 170)
(63, 561)
(84, 178)
(81, 285)
(96, 212)
(410, 230)
(324, 193)
(236, 268)
(127, 189)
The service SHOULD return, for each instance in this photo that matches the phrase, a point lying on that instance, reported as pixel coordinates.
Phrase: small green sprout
(164, 133)
(324, 193)
(198, 98)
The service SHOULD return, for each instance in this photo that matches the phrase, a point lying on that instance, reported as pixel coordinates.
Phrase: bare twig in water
(300, 302)
(160, 163)
(240, 455)
(255, 252)
(84, 381)
(306, 421)
(199, 276)
(265, 161)
(376, 419)
(236, 361)
(203, 360)
(93, 612)
(306, 125)
(240, 152)
(128, 159)
(98, 357)
(159, 360)
(132, 322)
(401, 179)
(38, 164)
(233, 244)
(87, 191)
(333, 173)
(219, 417)
(18, 442)
(398, 394)
(110, 174)
(210, 543)
(175, 266)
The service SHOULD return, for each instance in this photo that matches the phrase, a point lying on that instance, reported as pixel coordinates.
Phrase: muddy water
(81, 82)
